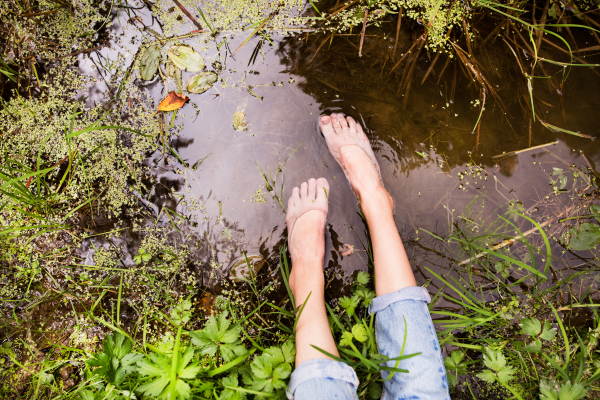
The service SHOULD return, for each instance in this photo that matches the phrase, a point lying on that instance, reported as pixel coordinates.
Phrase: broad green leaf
(548, 333)
(217, 335)
(186, 58)
(262, 367)
(584, 237)
(155, 386)
(349, 304)
(360, 333)
(505, 374)
(487, 376)
(531, 326)
(149, 62)
(366, 295)
(574, 392)
(363, 277)
(346, 339)
(201, 82)
(494, 359)
(547, 390)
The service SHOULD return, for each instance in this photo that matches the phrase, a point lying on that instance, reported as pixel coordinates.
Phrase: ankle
(376, 200)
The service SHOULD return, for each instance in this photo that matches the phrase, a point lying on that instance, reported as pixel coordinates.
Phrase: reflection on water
(425, 145)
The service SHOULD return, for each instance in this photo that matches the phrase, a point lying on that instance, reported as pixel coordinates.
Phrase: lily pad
(186, 58)
(149, 62)
(201, 82)
(239, 121)
(239, 270)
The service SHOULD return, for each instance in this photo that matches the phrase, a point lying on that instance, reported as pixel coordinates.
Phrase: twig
(187, 14)
(362, 35)
(512, 153)
(82, 51)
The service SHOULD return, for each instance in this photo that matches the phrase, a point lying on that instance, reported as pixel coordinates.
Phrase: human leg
(403, 324)
(316, 375)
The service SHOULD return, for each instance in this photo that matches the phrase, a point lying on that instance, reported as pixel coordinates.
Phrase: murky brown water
(421, 146)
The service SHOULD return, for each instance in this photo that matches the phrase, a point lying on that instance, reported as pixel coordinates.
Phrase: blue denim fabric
(323, 379)
(328, 379)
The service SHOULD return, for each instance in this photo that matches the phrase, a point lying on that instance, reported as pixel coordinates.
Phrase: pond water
(424, 144)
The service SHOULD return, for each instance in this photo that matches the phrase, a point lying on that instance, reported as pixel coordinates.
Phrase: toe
(296, 195)
(343, 121)
(326, 125)
(304, 190)
(361, 133)
(312, 188)
(322, 189)
(337, 126)
(351, 124)
(291, 203)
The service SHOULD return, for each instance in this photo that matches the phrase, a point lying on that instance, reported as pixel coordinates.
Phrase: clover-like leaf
(494, 359)
(229, 393)
(181, 313)
(505, 374)
(289, 351)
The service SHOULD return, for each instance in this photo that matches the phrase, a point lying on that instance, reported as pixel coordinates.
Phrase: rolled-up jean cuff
(408, 293)
(321, 368)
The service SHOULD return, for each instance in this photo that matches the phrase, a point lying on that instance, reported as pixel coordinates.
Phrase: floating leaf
(173, 101)
(584, 237)
(239, 121)
(186, 58)
(149, 62)
(201, 82)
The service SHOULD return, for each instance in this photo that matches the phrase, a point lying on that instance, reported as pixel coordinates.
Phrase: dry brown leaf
(346, 250)
(173, 101)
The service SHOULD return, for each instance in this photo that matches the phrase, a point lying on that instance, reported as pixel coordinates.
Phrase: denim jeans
(395, 313)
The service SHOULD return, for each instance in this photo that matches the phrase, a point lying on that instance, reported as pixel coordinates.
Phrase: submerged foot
(350, 147)
(306, 217)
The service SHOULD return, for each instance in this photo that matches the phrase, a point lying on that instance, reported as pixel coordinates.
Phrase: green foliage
(498, 370)
(219, 335)
(116, 361)
(455, 366)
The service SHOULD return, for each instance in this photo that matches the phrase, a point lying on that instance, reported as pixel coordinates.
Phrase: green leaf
(548, 333)
(557, 171)
(349, 304)
(218, 336)
(289, 351)
(231, 381)
(574, 392)
(374, 391)
(584, 237)
(533, 347)
(506, 374)
(363, 278)
(454, 363)
(346, 339)
(181, 313)
(149, 62)
(494, 359)
(365, 294)
(186, 58)
(360, 333)
(487, 376)
(201, 82)
(547, 390)
(530, 326)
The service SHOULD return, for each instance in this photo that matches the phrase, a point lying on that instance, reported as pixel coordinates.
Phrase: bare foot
(350, 147)
(306, 217)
